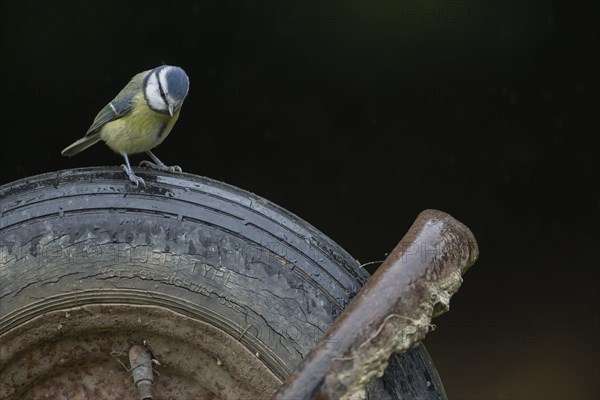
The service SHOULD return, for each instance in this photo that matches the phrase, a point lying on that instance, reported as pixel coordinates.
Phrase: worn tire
(246, 265)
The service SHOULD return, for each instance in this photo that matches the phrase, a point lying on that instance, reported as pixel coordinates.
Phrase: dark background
(357, 115)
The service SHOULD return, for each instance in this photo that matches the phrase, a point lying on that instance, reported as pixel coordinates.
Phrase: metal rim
(82, 352)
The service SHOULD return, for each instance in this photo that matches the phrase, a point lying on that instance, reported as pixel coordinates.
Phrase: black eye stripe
(160, 88)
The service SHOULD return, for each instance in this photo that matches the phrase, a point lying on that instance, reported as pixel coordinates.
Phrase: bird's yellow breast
(139, 130)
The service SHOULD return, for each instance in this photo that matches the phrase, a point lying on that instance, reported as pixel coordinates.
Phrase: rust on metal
(391, 313)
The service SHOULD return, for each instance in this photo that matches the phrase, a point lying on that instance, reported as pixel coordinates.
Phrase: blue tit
(139, 118)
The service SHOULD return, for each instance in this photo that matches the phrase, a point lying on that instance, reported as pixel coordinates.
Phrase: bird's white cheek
(155, 101)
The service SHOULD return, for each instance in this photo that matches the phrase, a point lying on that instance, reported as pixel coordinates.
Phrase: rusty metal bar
(391, 313)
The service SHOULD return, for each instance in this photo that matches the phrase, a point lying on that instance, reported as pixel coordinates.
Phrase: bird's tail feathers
(81, 145)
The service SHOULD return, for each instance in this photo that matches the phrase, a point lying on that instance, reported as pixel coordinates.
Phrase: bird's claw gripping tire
(198, 247)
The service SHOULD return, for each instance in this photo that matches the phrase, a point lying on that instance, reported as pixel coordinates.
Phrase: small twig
(370, 263)
(116, 354)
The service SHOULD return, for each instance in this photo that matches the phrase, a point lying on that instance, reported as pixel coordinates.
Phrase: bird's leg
(132, 176)
(159, 165)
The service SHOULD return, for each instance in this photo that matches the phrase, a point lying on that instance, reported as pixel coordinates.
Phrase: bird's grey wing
(120, 105)
(113, 110)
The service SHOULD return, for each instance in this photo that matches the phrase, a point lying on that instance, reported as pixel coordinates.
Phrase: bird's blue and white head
(165, 89)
